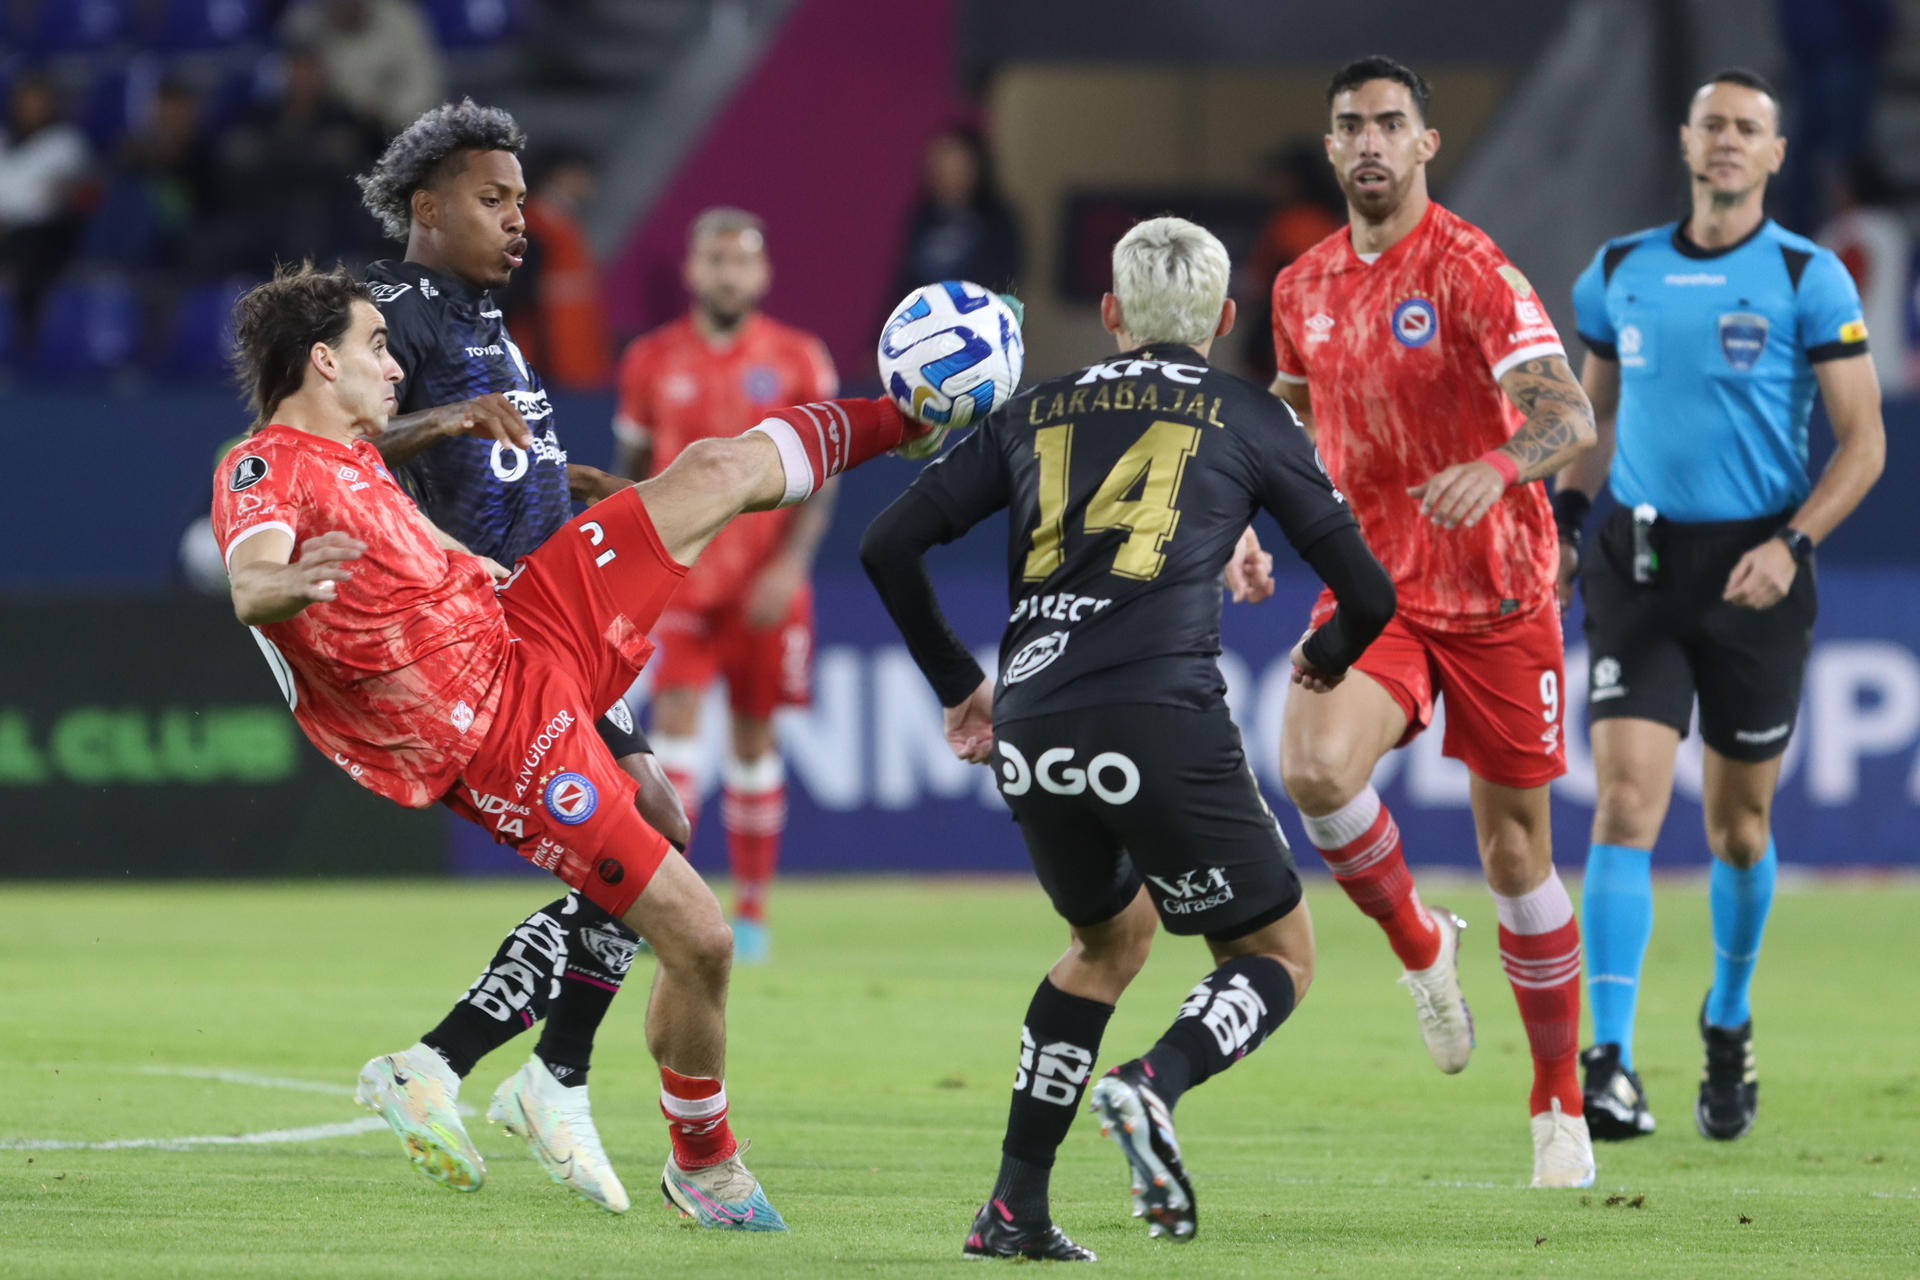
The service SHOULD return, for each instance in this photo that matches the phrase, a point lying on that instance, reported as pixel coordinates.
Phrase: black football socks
(1058, 1045)
(511, 993)
(600, 950)
(1233, 1010)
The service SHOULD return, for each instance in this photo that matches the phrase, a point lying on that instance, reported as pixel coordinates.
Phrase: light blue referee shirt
(1716, 350)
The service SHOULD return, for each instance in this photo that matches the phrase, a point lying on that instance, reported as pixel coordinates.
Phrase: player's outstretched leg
(1059, 1042)
(1259, 981)
(704, 1179)
(418, 1095)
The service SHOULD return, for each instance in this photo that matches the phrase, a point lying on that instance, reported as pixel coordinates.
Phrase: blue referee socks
(1740, 901)
(1616, 920)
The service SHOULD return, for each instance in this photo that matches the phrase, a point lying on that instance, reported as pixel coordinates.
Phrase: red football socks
(1540, 950)
(1361, 845)
(753, 809)
(819, 441)
(696, 1112)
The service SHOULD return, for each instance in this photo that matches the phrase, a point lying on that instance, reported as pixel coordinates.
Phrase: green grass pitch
(870, 1065)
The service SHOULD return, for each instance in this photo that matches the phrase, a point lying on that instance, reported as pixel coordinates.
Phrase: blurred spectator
(553, 305)
(1304, 208)
(286, 176)
(1872, 240)
(43, 163)
(960, 228)
(1835, 49)
(379, 55)
(169, 163)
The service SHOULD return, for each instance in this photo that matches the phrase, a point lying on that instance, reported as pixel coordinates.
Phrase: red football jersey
(398, 677)
(678, 387)
(1403, 358)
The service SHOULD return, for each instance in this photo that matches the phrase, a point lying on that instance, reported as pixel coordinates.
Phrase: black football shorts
(1653, 647)
(1113, 797)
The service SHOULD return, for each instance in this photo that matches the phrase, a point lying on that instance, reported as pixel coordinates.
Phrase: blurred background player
(1109, 733)
(746, 611)
(1706, 339)
(450, 187)
(1408, 343)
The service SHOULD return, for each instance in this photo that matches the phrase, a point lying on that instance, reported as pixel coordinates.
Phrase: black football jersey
(452, 343)
(1127, 485)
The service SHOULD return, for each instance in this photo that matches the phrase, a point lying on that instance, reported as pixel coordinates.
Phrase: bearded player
(1438, 393)
(405, 664)
(746, 610)
(473, 440)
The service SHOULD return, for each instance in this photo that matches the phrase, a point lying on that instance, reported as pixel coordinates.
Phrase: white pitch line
(266, 1137)
(250, 1078)
(225, 1076)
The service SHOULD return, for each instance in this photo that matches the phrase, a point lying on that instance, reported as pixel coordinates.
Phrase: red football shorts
(579, 608)
(766, 667)
(1504, 689)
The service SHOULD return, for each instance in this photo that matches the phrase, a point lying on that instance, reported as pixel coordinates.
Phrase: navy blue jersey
(453, 345)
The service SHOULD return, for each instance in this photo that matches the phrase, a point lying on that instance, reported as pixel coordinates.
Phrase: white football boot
(1562, 1150)
(558, 1127)
(1446, 1024)
(417, 1093)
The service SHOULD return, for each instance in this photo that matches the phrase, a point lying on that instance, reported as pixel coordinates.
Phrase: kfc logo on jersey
(1415, 322)
(571, 799)
(1319, 327)
(247, 472)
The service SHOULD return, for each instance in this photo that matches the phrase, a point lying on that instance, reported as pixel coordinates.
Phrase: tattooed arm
(1559, 426)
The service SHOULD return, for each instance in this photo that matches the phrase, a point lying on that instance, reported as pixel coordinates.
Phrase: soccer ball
(951, 354)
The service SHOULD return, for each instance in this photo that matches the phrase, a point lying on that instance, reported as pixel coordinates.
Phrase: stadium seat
(198, 336)
(111, 100)
(182, 25)
(471, 24)
(87, 326)
(123, 230)
(71, 26)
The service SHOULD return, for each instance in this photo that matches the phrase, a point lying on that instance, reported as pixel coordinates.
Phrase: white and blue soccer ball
(951, 354)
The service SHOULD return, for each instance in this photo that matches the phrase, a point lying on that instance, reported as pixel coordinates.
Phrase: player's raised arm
(490, 417)
(268, 585)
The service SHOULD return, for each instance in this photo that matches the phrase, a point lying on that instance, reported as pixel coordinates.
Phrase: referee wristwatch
(1798, 543)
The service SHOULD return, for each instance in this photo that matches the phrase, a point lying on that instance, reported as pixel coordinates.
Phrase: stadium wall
(146, 738)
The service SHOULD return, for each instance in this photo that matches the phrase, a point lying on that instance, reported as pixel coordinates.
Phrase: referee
(1706, 341)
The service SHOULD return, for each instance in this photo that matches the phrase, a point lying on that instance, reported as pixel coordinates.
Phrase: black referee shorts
(1652, 648)
(1111, 797)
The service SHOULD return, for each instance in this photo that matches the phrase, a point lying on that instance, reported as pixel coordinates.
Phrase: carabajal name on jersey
(452, 342)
